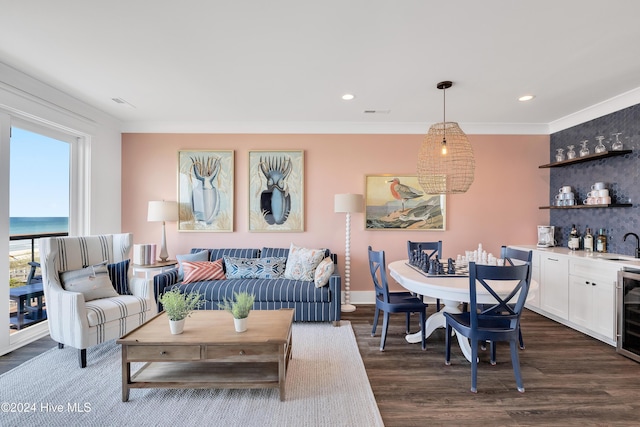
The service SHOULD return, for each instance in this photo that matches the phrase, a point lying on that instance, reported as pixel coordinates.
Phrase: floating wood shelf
(588, 158)
(612, 205)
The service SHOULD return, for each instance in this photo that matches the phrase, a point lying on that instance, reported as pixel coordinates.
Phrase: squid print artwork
(275, 201)
(205, 200)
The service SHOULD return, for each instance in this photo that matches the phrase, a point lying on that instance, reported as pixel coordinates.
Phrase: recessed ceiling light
(524, 98)
(348, 96)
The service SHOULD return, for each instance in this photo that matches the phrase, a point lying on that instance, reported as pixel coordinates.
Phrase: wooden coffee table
(209, 353)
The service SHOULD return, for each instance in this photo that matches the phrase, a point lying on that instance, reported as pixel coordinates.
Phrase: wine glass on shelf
(600, 148)
(559, 154)
(617, 144)
(571, 154)
(584, 150)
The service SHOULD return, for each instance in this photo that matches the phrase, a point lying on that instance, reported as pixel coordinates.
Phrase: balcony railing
(34, 237)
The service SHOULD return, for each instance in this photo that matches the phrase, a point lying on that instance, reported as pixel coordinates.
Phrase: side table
(157, 267)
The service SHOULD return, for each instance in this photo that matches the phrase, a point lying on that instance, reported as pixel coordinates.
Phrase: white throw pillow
(302, 263)
(324, 270)
(92, 281)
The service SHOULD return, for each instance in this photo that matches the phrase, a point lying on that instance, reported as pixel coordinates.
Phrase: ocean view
(34, 225)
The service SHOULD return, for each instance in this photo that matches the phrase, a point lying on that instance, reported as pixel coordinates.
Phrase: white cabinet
(554, 285)
(592, 297)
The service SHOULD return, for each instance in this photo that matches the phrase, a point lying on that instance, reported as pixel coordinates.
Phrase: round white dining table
(451, 290)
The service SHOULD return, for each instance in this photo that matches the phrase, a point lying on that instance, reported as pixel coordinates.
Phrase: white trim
(603, 108)
(368, 128)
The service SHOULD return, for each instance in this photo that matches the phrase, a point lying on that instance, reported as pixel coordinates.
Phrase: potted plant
(239, 309)
(178, 306)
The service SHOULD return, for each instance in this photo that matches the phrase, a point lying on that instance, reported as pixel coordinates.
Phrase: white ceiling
(190, 64)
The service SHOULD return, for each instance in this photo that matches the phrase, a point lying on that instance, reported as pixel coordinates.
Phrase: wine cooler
(628, 339)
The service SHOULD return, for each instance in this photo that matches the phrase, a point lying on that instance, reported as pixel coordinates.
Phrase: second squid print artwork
(276, 191)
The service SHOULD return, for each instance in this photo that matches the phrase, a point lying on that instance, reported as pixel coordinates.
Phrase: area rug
(326, 385)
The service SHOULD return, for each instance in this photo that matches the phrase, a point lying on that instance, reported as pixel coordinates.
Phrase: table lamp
(348, 203)
(163, 211)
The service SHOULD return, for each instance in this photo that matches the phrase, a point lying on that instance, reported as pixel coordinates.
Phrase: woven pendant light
(445, 161)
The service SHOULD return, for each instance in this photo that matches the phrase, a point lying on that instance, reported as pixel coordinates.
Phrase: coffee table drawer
(163, 352)
(239, 353)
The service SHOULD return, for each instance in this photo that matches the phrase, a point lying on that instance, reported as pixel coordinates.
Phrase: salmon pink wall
(501, 207)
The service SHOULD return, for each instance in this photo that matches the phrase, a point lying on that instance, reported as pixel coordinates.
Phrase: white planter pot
(177, 326)
(240, 324)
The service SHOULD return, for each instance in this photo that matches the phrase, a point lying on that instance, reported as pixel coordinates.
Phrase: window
(39, 184)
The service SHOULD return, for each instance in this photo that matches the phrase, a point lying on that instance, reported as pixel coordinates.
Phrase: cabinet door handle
(587, 282)
(552, 259)
(593, 283)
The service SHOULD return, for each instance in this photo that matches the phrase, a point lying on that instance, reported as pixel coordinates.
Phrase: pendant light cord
(444, 116)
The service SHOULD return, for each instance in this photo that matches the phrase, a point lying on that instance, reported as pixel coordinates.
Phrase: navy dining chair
(499, 321)
(431, 249)
(513, 256)
(392, 302)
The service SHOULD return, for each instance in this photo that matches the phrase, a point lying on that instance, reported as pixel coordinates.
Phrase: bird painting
(403, 192)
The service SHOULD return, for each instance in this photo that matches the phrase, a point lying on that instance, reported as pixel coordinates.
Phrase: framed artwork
(205, 190)
(276, 191)
(397, 202)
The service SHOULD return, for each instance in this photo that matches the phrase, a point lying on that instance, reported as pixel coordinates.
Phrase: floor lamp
(348, 203)
(163, 211)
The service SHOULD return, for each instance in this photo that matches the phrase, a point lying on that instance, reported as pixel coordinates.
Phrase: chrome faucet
(637, 242)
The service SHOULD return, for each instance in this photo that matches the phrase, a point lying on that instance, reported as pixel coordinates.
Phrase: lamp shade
(447, 171)
(162, 211)
(348, 203)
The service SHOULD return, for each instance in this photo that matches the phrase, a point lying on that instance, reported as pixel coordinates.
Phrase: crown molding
(603, 108)
(412, 128)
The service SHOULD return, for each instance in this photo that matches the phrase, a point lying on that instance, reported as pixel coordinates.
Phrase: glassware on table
(571, 154)
(559, 154)
(617, 144)
(600, 148)
(584, 150)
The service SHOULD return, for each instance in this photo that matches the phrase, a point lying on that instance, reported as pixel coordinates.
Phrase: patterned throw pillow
(198, 256)
(302, 263)
(197, 271)
(323, 272)
(119, 276)
(92, 281)
(254, 268)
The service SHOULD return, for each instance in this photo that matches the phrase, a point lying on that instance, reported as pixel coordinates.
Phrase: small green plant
(239, 308)
(178, 305)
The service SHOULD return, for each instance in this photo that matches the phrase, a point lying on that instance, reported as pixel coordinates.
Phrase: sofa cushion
(105, 310)
(270, 252)
(323, 272)
(92, 281)
(302, 262)
(200, 255)
(119, 276)
(215, 254)
(264, 290)
(254, 268)
(195, 271)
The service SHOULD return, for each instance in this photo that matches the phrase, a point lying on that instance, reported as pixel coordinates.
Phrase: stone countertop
(609, 258)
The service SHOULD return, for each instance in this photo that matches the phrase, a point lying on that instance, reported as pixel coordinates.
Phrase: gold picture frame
(205, 190)
(276, 191)
(397, 202)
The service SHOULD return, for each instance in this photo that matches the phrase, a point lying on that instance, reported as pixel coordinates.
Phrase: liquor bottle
(574, 239)
(588, 241)
(601, 241)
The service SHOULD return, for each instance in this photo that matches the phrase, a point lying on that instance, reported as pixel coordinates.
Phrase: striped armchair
(79, 323)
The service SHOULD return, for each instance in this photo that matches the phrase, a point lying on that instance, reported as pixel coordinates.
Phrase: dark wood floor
(570, 379)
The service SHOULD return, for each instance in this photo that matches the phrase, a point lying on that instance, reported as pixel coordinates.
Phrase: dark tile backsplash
(621, 175)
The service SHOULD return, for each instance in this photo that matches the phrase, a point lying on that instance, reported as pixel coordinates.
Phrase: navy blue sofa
(311, 304)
